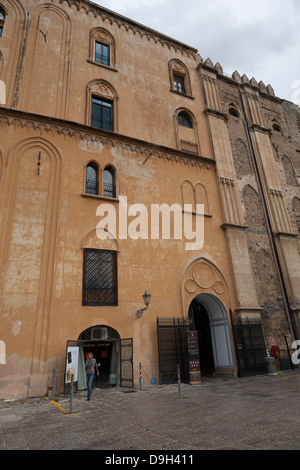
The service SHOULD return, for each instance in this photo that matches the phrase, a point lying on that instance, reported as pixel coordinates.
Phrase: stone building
(101, 117)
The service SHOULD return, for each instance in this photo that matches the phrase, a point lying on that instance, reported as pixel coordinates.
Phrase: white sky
(260, 38)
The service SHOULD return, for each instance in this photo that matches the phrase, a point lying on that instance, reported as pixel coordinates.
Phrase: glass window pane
(179, 84)
(91, 185)
(184, 120)
(102, 53)
(102, 116)
(108, 183)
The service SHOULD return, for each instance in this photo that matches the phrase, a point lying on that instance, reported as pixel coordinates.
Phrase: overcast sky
(260, 38)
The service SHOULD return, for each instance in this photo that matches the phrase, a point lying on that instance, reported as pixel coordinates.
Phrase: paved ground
(240, 413)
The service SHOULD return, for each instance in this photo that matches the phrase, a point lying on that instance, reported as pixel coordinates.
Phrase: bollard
(179, 381)
(141, 380)
(53, 384)
(71, 397)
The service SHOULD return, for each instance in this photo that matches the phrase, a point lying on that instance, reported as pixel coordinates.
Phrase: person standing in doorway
(91, 369)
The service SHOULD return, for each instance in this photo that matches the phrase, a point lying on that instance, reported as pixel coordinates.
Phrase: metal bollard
(141, 380)
(179, 381)
(71, 396)
(53, 384)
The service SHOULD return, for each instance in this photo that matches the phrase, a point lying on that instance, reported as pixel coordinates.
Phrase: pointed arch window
(179, 78)
(92, 179)
(184, 120)
(186, 131)
(102, 107)
(109, 182)
(2, 20)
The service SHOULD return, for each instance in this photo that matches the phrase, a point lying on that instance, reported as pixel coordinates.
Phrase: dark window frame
(179, 84)
(100, 278)
(92, 185)
(98, 118)
(109, 187)
(100, 56)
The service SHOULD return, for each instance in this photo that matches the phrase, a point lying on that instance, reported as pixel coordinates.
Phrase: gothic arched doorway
(209, 317)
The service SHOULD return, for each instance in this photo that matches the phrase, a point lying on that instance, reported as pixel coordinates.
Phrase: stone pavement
(253, 413)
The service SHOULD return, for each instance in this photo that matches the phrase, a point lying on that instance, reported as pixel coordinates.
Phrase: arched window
(184, 120)
(102, 105)
(179, 78)
(91, 181)
(102, 47)
(276, 128)
(233, 112)
(102, 113)
(2, 20)
(109, 183)
(186, 131)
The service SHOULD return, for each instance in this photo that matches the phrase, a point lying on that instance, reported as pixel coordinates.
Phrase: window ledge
(97, 196)
(184, 95)
(101, 65)
(196, 213)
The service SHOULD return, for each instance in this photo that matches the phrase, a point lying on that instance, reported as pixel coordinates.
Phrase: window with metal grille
(2, 20)
(91, 181)
(102, 113)
(109, 187)
(102, 53)
(99, 277)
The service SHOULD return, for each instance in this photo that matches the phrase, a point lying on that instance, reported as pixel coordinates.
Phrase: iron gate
(250, 346)
(126, 362)
(172, 349)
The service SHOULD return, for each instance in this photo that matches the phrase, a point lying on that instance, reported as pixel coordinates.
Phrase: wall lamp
(146, 296)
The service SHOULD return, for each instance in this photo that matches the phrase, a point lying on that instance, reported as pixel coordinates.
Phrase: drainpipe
(286, 301)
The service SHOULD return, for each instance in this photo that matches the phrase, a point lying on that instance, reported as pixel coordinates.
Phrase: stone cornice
(10, 117)
(128, 24)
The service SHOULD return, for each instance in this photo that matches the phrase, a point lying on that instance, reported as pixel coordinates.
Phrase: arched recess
(101, 239)
(241, 159)
(202, 276)
(45, 84)
(296, 211)
(186, 131)
(32, 199)
(12, 39)
(254, 216)
(102, 90)
(194, 194)
(290, 175)
(209, 317)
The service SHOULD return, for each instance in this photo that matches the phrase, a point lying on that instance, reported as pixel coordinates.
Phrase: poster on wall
(72, 363)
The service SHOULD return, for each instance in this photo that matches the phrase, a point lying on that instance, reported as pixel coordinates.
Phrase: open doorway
(202, 325)
(209, 317)
(104, 343)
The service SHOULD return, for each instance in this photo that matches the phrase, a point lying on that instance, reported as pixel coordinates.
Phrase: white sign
(72, 364)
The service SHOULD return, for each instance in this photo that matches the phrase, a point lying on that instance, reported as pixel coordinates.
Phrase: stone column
(247, 303)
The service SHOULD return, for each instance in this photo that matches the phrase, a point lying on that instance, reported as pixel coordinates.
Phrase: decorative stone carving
(202, 276)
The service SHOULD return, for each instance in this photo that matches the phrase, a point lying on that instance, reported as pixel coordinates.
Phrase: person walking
(91, 369)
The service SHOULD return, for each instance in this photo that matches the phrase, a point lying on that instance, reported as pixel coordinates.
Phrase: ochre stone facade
(176, 135)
